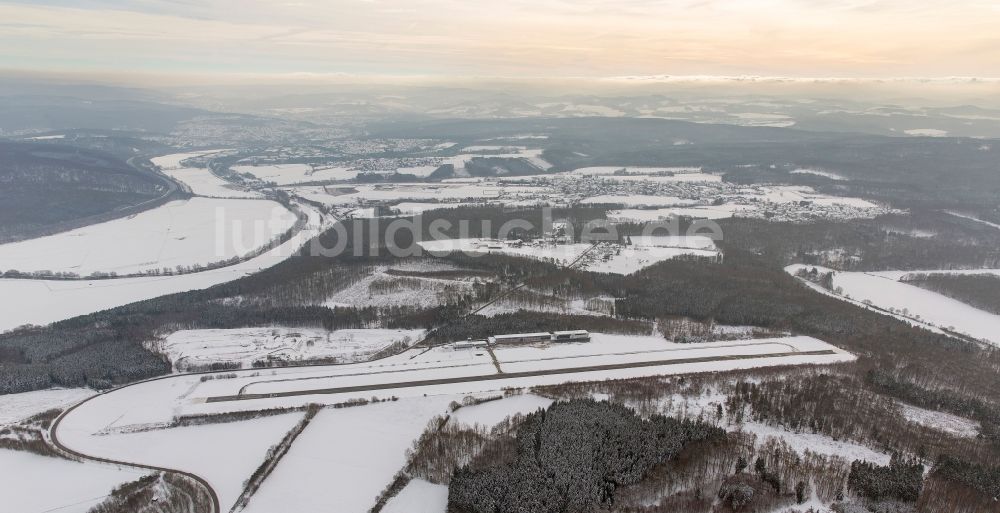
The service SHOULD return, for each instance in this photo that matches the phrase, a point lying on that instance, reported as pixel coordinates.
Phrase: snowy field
(42, 484)
(174, 160)
(638, 200)
(490, 413)
(559, 253)
(178, 234)
(187, 348)
(926, 132)
(633, 170)
(531, 155)
(603, 306)
(817, 443)
(465, 364)
(225, 455)
(604, 257)
(645, 174)
(661, 214)
(346, 457)
(419, 496)
(797, 193)
(427, 293)
(818, 172)
(343, 445)
(158, 401)
(201, 181)
(951, 424)
(289, 174)
(624, 260)
(45, 301)
(442, 192)
(920, 304)
(16, 407)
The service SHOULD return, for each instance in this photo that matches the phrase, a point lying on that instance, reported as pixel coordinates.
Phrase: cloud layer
(521, 38)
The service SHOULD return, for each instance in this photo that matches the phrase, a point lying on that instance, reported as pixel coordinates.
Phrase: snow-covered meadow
(289, 174)
(886, 292)
(179, 234)
(38, 484)
(198, 348)
(351, 454)
(200, 181)
(44, 301)
(346, 457)
(16, 407)
(614, 258)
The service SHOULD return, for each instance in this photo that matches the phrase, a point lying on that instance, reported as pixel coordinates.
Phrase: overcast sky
(506, 38)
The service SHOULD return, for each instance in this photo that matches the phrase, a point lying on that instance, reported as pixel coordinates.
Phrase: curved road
(54, 437)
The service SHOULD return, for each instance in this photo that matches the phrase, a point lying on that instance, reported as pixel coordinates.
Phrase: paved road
(511, 375)
(54, 436)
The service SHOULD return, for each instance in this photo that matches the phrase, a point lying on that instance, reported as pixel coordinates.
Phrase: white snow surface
(201, 181)
(225, 454)
(179, 233)
(604, 257)
(951, 424)
(246, 345)
(173, 161)
(921, 304)
(45, 301)
(289, 174)
(490, 413)
(926, 132)
(562, 253)
(40, 484)
(17, 407)
(158, 401)
(419, 496)
(660, 214)
(352, 453)
(346, 457)
(430, 293)
(438, 192)
(639, 200)
(817, 443)
(819, 172)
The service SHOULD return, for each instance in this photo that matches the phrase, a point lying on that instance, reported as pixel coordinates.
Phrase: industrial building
(571, 336)
(520, 338)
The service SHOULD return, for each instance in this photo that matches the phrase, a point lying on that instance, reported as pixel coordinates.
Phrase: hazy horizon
(437, 39)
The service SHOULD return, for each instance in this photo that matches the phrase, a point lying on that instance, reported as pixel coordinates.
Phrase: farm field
(602, 257)
(347, 456)
(134, 423)
(178, 235)
(290, 174)
(225, 455)
(392, 193)
(15, 407)
(659, 214)
(28, 479)
(193, 349)
(381, 289)
(883, 291)
(46, 301)
(419, 496)
(175, 160)
(201, 181)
